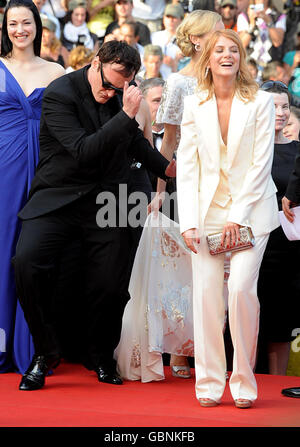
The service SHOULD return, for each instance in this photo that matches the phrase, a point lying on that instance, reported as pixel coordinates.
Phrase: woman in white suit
(224, 182)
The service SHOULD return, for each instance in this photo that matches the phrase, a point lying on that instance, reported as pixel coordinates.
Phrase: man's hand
(132, 97)
(192, 239)
(286, 208)
(171, 169)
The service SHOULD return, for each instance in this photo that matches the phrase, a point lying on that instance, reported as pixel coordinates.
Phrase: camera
(81, 39)
(258, 7)
(187, 5)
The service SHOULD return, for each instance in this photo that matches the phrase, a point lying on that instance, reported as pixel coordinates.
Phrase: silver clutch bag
(246, 241)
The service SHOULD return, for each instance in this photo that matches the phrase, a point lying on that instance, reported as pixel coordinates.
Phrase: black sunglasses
(269, 84)
(107, 85)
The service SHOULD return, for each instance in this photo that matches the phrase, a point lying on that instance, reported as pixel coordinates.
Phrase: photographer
(266, 31)
(75, 31)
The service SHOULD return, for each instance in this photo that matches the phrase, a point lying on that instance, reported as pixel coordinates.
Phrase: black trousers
(104, 259)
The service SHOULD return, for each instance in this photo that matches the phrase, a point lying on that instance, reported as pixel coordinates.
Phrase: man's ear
(95, 64)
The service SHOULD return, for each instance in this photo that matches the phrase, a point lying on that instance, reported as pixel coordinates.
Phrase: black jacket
(293, 189)
(83, 145)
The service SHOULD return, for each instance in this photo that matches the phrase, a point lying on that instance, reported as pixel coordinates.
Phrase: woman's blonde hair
(80, 56)
(196, 23)
(245, 85)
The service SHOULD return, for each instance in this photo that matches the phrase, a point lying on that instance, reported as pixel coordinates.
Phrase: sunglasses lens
(269, 84)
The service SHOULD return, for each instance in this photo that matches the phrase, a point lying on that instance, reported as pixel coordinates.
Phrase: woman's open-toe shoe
(175, 371)
(205, 402)
(243, 403)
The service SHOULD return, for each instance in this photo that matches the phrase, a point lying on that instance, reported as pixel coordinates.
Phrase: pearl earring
(198, 47)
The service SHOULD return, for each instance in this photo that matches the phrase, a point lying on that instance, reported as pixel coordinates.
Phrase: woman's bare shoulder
(51, 70)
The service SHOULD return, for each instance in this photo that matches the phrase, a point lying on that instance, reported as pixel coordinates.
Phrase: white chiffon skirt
(159, 316)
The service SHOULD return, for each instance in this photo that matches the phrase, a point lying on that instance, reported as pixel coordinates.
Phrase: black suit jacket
(84, 145)
(293, 189)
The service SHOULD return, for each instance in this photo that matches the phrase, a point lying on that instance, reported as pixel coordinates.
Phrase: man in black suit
(292, 198)
(87, 137)
(292, 194)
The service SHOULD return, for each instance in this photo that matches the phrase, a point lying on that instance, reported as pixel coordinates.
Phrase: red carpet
(73, 397)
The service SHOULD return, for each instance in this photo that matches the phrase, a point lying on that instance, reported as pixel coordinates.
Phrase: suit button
(79, 193)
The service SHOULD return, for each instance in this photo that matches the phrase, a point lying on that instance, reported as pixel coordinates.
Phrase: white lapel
(238, 118)
(210, 130)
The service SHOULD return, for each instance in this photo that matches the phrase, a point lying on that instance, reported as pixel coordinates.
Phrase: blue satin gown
(19, 151)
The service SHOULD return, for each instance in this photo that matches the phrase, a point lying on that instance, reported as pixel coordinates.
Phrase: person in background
(52, 48)
(152, 92)
(229, 13)
(56, 8)
(252, 66)
(275, 71)
(149, 12)
(265, 33)
(129, 32)
(40, 6)
(101, 14)
(242, 6)
(191, 36)
(79, 57)
(292, 129)
(123, 13)
(224, 182)
(24, 76)
(279, 300)
(153, 63)
(115, 34)
(75, 31)
(173, 16)
(292, 65)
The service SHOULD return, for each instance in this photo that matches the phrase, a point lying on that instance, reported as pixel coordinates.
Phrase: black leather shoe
(34, 377)
(291, 392)
(108, 375)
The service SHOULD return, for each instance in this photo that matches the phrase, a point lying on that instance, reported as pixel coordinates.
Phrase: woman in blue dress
(23, 78)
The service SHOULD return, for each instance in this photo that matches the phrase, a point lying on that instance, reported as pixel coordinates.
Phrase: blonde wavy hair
(80, 56)
(245, 86)
(196, 23)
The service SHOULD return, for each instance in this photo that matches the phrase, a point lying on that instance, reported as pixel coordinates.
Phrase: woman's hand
(155, 205)
(231, 234)
(192, 239)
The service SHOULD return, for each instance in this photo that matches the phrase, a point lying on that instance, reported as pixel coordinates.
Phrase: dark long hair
(6, 45)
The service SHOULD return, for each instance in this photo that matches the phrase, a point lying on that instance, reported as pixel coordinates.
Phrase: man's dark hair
(134, 26)
(276, 87)
(115, 52)
(6, 45)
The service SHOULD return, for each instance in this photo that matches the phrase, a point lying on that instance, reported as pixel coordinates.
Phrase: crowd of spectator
(269, 29)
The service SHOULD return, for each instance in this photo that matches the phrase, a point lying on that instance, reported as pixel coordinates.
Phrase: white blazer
(250, 148)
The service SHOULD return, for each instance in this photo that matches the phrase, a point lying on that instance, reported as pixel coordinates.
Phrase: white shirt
(149, 9)
(58, 9)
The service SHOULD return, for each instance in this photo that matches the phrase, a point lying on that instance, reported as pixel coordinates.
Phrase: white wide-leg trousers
(209, 312)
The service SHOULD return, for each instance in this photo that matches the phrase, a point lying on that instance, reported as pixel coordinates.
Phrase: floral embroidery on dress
(175, 89)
